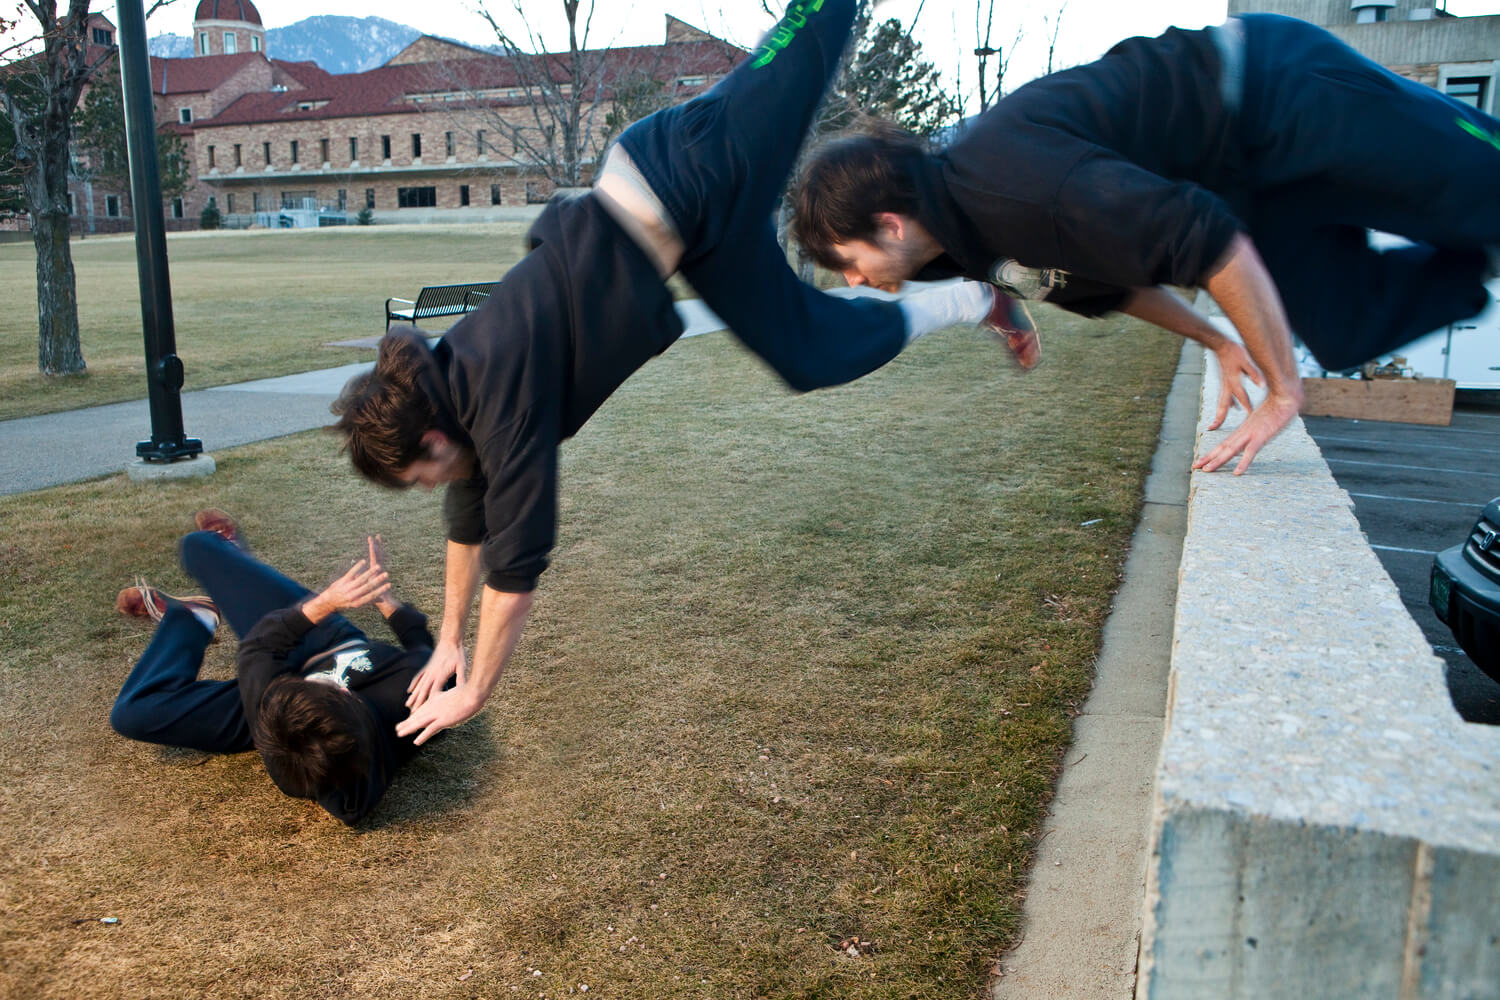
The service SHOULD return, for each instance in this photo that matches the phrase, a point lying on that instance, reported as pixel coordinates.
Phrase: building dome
(227, 10)
(227, 27)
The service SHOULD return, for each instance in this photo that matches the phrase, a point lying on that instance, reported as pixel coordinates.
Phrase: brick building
(441, 130)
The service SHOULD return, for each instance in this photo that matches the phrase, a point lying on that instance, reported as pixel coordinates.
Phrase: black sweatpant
(163, 701)
(720, 163)
(1336, 144)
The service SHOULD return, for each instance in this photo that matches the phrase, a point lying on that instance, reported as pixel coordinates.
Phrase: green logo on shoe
(1492, 138)
(796, 17)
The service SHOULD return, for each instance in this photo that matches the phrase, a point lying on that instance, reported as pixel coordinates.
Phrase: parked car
(1465, 590)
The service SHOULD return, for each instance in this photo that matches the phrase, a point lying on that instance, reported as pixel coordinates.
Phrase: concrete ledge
(1326, 825)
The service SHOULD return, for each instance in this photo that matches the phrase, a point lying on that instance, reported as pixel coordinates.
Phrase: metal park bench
(438, 300)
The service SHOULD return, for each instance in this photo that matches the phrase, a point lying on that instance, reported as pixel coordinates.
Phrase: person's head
(857, 207)
(390, 426)
(313, 737)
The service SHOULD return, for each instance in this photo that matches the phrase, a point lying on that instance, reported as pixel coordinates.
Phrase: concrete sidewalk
(1086, 898)
(100, 440)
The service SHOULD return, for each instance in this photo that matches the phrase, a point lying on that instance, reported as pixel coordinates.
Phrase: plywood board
(1402, 400)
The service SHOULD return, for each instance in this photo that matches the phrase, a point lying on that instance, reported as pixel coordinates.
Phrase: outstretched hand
(1234, 367)
(363, 583)
(442, 711)
(1263, 423)
(447, 661)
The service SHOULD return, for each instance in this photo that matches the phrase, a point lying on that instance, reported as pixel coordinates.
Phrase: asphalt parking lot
(1418, 490)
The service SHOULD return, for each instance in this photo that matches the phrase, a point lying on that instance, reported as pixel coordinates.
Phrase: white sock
(946, 305)
(207, 618)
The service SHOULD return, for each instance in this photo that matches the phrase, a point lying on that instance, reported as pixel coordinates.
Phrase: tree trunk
(58, 349)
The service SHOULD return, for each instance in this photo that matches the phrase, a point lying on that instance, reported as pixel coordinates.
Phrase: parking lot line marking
(1397, 548)
(1446, 503)
(1415, 468)
(1427, 431)
(1394, 444)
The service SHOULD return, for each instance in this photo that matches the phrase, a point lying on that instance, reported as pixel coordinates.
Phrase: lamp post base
(197, 467)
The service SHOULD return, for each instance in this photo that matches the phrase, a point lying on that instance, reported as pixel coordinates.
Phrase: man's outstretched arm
(1243, 288)
(461, 572)
(502, 617)
(1163, 308)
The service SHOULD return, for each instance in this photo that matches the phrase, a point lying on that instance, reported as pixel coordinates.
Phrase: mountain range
(337, 44)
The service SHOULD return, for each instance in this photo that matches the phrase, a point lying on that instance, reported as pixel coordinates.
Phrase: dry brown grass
(245, 304)
(802, 672)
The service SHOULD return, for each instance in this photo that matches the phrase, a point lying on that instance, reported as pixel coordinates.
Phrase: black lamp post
(163, 366)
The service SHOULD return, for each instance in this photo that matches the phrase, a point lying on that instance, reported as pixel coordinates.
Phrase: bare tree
(557, 131)
(1055, 21)
(39, 93)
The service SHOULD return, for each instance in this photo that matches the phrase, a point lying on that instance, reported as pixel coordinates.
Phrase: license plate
(1441, 594)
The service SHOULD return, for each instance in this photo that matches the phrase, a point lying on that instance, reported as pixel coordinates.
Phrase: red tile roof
(199, 74)
(227, 10)
(383, 91)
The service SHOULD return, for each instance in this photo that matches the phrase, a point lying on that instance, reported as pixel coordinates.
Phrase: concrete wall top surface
(1302, 691)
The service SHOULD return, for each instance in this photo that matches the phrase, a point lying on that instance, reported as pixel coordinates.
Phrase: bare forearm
(1243, 288)
(1162, 307)
(502, 617)
(462, 568)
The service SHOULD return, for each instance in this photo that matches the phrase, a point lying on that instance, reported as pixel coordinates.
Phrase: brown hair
(384, 413)
(847, 182)
(314, 737)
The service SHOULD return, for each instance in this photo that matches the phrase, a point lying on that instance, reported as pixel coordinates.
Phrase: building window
(255, 201)
(343, 199)
(294, 150)
(254, 43)
(416, 145)
(422, 197)
(103, 36)
(385, 147)
(213, 202)
(229, 203)
(185, 115)
(239, 160)
(230, 47)
(463, 194)
(369, 197)
(449, 144)
(112, 206)
(176, 208)
(323, 149)
(353, 150)
(265, 149)
(299, 199)
(494, 194)
(203, 43)
(211, 158)
(71, 209)
(1469, 89)
(483, 146)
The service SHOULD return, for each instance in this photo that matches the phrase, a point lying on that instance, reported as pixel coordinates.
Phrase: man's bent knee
(197, 548)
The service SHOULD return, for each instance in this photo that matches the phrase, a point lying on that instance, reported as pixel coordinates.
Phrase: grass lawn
(245, 305)
(802, 673)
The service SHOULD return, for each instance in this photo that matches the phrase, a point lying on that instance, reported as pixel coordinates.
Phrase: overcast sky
(946, 28)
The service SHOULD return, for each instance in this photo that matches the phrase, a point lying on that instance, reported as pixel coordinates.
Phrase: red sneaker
(1011, 322)
(145, 601)
(220, 523)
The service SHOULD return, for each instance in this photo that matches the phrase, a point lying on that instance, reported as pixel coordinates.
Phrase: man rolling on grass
(690, 189)
(314, 695)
